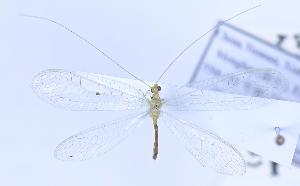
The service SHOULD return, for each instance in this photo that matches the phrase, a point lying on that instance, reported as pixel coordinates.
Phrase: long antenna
(199, 38)
(87, 42)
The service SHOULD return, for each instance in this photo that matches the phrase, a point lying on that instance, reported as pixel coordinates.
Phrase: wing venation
(98, 140)
(206, 147)
(86, 91)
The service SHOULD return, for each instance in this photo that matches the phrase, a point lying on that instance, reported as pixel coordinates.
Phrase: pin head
(279, 140)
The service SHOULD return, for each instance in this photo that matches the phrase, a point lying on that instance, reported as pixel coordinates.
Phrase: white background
(144, 36)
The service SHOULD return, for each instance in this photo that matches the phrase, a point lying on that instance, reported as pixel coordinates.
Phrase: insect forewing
(206, 147)
(204, 100)
(98, 140)
(228, 92)
(86, 91)
(266, 83)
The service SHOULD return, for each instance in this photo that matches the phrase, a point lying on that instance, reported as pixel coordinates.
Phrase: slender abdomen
(155, 112)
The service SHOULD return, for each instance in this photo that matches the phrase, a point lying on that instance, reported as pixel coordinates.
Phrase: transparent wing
(237, 91)
(207, 148)
(266, 83)
(203, 100)
(97, 140)
(86, 91)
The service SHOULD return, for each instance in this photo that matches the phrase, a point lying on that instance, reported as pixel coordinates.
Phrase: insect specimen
(90, 92)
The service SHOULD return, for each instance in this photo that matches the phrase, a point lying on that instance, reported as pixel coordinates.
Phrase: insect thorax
(155, 102)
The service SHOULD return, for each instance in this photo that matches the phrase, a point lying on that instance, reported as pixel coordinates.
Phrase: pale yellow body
(155, 106)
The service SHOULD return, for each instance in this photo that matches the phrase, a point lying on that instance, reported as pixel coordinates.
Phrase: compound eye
(159, 88)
